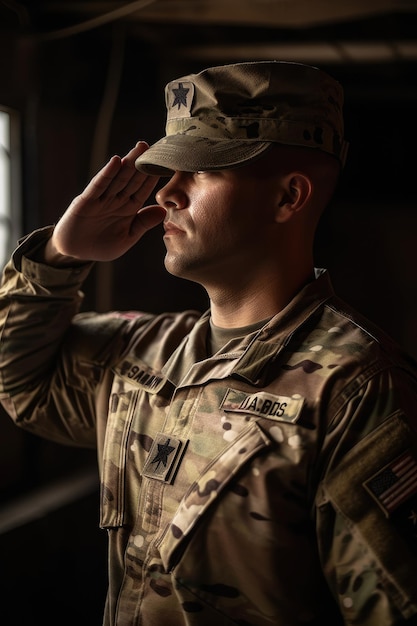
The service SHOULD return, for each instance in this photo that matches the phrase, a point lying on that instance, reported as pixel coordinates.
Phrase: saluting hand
(107, 218)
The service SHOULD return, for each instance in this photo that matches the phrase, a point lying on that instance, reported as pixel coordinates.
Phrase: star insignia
(164, 450)
(164, 458)
(180, 95)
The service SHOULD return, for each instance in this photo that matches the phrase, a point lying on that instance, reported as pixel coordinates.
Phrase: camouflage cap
(228, 115)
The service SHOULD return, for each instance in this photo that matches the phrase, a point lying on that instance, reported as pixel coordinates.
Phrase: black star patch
(180, 96)
(164, 450)
(164, 458)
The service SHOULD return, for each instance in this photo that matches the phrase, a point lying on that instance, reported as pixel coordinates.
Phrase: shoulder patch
(394, 484)
(375, 487)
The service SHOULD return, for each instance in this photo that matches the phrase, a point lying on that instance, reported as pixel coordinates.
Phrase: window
(10, 196)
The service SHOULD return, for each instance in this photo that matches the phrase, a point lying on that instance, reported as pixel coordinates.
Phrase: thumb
(149, 217)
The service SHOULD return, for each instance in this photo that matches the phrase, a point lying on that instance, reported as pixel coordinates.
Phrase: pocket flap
(204, 492)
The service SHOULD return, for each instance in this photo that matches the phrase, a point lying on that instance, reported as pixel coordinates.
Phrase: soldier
(258, 461)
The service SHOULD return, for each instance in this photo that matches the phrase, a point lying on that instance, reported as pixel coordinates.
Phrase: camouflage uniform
(273, 483)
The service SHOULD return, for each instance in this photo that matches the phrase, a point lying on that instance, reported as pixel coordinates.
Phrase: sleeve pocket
(375, 488)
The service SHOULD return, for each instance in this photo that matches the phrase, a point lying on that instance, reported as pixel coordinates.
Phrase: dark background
(87, 79)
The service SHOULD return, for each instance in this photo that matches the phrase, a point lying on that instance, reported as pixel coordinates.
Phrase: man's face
(219, 225)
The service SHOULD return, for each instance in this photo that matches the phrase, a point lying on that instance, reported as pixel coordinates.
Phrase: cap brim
(187, 153)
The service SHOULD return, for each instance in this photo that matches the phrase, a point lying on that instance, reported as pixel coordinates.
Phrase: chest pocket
(129, 435)
(210, 485)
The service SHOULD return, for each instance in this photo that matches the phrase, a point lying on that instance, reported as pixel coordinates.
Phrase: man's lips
(172, 229)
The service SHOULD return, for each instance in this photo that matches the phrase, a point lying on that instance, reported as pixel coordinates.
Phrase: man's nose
(173, 195)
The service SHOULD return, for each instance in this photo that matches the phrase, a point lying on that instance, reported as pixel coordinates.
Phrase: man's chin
(180, 270)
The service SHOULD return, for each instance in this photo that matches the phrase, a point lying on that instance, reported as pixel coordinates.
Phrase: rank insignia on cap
(180, 97)
(394, 484)
(164, 458)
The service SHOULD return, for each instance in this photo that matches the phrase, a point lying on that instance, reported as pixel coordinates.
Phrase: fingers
(135, 152)
(120, 182)
(128, 182)
(101, 182)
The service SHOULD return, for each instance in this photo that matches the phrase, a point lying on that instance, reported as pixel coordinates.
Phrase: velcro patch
(262, 404)
(395, 483)
(140, 375)
(164, 458)
(179, 98)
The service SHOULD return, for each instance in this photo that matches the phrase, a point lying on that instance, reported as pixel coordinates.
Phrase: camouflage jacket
(273, 483)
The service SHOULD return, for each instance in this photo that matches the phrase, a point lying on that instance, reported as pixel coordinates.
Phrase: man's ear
(295, 192)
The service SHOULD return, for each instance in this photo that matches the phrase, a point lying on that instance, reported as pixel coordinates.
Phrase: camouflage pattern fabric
(226, 115)
(273, 483)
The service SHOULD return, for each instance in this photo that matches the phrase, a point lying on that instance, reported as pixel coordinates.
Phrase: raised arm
(50, 357)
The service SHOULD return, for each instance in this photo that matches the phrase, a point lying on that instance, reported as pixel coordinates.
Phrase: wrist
(49, 254)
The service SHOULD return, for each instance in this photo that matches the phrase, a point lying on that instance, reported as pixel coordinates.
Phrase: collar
(246, 358)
